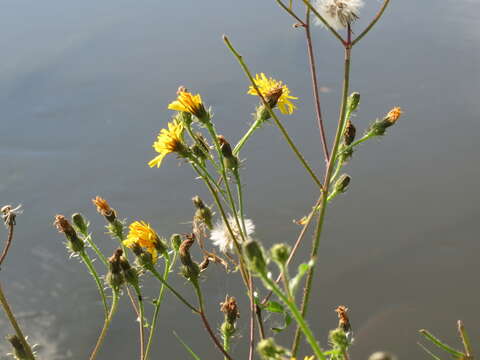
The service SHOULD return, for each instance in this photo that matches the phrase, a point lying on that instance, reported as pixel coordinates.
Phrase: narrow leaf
(189, 350)
(441, 345)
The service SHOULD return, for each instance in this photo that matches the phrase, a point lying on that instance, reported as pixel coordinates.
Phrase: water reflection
(84, 88)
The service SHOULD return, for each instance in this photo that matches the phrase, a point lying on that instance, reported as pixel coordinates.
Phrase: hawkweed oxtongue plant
(221, 237)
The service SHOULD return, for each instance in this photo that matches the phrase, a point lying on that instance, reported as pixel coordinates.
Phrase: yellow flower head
(141, 234)
(189, 103)
(271, 88)
(168, 141)
(393, 115)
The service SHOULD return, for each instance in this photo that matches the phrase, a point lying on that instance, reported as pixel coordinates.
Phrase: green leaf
(287, 321)
(441, 345)
(435, 357)
(274, 307)
(189, 350)
(302, 270)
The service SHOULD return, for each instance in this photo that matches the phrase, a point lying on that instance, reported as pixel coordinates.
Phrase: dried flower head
(187, 102)
(338, 13)
(9, 214)
(64, 226)
(221, 237)
(275, 93)
(168, 141)
(141, 234)
(104, 209)
(230, 308)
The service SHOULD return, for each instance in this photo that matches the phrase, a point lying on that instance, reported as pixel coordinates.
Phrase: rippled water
(83, 91)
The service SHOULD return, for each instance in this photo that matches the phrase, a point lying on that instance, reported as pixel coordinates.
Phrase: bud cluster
(63, 225)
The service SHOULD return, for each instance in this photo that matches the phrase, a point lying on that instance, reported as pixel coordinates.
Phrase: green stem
(236, 173)
(88, 239)
(161, 295)
(226, 344)
(106, 325)
(205, 320)
(297, 315)
(213, 134)
(354, 144)
(88, 263)
(169, 287)
(323, 205)
(16, 327)
(141, 315)
(325, 22)
(374, 21)
(271, 112)
(290, 11)
(256, 125)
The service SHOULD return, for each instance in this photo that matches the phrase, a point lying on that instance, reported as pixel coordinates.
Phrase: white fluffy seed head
(338, 13)
(222, 238)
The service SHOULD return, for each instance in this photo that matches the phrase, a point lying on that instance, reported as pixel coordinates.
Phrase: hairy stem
(88, 263)
(106, 325)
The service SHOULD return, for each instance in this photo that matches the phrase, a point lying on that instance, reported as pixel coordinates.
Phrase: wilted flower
(275, 93)
(338, 13)
(141, 234)
(222, 238)
(168, 141)
(187, 102)
(103, 208)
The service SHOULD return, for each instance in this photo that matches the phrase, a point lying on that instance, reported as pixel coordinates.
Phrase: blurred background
(84, 89)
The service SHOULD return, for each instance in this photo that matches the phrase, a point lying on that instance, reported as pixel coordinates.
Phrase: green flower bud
(203, 213)
(269, 350)
(175, 241)
(353, 101)
(280, 253)
(229, 160)
(18, 349)
(255, 258)
(80, 223)
(338, 339)
(130, 273)
(342, 183)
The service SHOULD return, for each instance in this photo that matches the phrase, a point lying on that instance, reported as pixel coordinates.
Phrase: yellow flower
(270, 87)
(393, 115)
(168, 141)
(141, 234)
(190, 103)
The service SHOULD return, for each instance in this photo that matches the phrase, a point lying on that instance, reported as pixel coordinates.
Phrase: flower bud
(280, 253)
(342, 183)
(144, 258)
(115, 277)
(74, 242)
(349, 133)
(130, 273)
(254, 254)
(203, 213)
(269, 350)
(353, 101)
(190, 269)
(18, 349)
(338, 339)
(175, 241)
(378, 127)
(273, 95)
(80, 223)
(103, 208)
(230, 161)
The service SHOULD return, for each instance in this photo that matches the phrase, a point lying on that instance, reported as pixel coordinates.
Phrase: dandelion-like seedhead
(338, 13)
(222, 238)
(276, 90)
